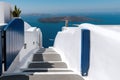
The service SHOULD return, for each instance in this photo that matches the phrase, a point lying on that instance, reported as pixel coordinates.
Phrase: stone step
(56, 77)
(46, 53)
(43, 76)
(45, 70)
(46, 50)
(47, 57)
(50, 64)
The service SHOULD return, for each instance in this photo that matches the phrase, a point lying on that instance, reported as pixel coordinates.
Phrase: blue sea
(49, 30)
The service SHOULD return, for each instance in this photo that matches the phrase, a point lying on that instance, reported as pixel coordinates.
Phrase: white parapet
(104, 50)
(67, 43)
(5, 12)
(33, 36)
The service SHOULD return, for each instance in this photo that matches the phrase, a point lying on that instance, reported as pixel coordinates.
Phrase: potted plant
(16, 12)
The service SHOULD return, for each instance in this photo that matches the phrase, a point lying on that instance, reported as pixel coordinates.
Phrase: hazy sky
(66, 6)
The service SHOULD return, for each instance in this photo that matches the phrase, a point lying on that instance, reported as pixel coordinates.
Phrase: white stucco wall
(33, 39)
(104, 51)
(5, 15)
(67, 43)
(33, 42)
(26, 26)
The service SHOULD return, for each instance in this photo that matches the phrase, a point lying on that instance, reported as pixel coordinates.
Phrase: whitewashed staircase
(45, 65)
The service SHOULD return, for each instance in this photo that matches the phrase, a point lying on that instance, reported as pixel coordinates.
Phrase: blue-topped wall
(13, 41)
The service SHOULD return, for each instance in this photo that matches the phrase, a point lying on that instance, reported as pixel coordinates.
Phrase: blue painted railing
(85, 52)
(13, 40)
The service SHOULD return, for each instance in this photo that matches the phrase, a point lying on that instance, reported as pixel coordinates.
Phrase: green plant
(16, 12)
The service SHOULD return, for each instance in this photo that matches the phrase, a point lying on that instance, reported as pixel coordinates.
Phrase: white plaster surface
(104, 51)
(2, 24)
(68, 44)
(26, 26)
(5, 15)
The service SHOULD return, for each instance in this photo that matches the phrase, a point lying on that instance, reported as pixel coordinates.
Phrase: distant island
(63, 18)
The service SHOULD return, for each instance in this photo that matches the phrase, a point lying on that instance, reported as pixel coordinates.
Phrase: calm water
(50, 30)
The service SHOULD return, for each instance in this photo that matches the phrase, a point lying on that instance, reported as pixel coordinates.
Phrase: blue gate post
(14, 40)
(85, 52)
(0, 52)
(1, 47)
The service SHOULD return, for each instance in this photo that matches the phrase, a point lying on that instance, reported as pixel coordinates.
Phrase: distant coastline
(50, 30)
(63, 18)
